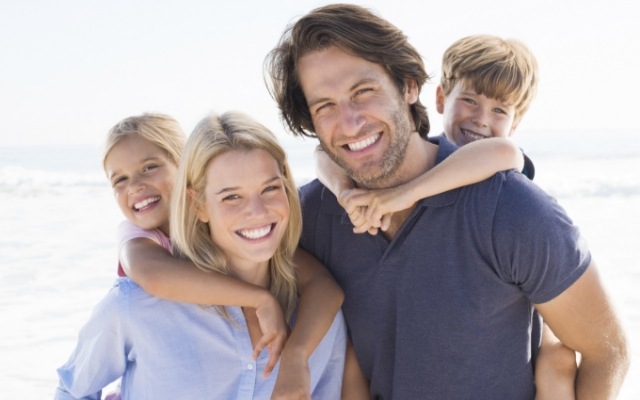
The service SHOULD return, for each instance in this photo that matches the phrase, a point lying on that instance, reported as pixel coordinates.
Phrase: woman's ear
(195, 202)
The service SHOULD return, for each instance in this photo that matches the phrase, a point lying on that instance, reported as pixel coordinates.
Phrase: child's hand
(274, 332)
(372, 209)
(294, 379)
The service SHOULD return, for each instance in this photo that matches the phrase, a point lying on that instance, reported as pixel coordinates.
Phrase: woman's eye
(272, 188)
(230, 197)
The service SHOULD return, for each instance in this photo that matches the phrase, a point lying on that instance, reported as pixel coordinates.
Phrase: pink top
(128, 231)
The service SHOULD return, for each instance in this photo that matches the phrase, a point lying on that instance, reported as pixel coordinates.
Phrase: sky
(69, 70)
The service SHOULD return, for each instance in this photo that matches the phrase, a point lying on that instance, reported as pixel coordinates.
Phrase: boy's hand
(373, 208)
(274, 331)
(294, 379)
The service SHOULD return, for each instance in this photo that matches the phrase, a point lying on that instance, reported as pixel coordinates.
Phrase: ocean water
(58, 251)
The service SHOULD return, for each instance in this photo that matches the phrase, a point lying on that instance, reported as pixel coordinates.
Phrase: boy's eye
(469, 100)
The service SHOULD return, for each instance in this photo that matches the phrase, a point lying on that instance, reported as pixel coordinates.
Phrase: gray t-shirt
(445, 310)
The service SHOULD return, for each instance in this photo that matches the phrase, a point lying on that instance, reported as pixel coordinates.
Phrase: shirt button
(249, 366)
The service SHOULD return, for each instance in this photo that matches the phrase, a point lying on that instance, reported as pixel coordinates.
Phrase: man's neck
(420, 157)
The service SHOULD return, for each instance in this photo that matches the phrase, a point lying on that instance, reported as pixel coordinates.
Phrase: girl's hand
(274, 331)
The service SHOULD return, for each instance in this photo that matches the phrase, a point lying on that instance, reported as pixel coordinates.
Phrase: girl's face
(247, 210)
(142, 176)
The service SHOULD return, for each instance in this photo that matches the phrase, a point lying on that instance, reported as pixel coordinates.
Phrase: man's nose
(351, 120)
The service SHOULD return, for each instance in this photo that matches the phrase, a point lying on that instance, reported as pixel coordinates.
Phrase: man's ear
(195, 202)
(411, 91)
(440, 98)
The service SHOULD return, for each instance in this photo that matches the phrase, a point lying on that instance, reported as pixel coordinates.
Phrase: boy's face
(469, 116)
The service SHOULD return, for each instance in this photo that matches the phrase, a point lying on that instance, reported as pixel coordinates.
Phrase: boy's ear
(195, 202)
(440, 98)
(411, 91)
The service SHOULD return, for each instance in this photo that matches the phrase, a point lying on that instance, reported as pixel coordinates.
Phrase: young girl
(165, 349)
(141, 158)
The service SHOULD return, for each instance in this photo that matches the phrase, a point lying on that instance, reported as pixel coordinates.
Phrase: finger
(373, 231)
(386, 222)
(273, 360)
(262, 343)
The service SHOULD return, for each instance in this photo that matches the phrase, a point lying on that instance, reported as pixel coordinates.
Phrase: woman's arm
(320, 300)
(159, 273)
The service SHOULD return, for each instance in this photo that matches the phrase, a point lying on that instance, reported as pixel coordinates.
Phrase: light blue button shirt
(170, 350)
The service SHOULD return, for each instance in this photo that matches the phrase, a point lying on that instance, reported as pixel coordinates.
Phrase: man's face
(359, 116)
(469, 116)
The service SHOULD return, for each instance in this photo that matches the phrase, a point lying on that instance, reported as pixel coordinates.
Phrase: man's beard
(383, 173)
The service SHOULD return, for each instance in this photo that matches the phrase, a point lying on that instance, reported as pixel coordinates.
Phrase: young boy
(486, 87)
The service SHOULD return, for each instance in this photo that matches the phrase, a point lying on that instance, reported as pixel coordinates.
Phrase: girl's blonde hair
(213, 136)
(159, 129)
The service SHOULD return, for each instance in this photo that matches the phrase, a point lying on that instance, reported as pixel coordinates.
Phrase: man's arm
(584, 319)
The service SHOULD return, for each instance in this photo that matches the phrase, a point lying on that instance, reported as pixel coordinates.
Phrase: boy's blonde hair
(503, 69)
(159, 129)
(213, 136)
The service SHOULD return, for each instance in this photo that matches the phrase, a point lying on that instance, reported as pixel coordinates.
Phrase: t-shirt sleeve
(128, 231)
(537, 245)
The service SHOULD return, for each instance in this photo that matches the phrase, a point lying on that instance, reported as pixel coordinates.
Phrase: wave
(16, 177)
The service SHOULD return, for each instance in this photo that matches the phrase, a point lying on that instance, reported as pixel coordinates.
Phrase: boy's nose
(480, 117)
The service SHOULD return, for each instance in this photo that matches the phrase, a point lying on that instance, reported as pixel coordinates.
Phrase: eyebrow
(232, 188)
(353, 87)
(117, 171)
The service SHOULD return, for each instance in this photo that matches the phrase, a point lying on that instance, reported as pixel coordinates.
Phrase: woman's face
(245, 206)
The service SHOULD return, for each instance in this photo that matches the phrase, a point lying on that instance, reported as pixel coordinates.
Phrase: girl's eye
(149, 167)
(118, 180)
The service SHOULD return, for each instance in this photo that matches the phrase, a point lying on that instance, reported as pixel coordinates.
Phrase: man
(441, 304)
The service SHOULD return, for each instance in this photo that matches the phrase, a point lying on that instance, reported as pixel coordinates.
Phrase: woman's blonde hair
(159, 129)
(213, 136)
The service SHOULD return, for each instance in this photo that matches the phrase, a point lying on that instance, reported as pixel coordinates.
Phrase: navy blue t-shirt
(445, 309)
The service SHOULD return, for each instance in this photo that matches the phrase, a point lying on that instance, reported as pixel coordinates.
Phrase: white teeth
(255, 233)
(472, 135)
(141, 204)
(363, 143)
